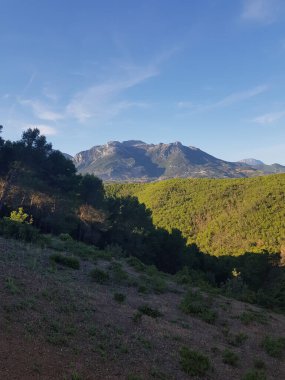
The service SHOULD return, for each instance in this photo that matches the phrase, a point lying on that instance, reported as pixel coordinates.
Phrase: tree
(1, 140)
(32, 138)
(91, 190)
(60, 171)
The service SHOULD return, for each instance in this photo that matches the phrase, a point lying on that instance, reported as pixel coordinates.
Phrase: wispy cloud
(45, 129)
(265, 11)
(185, 105)
(41, 110)
(227, 101)
(102, 100)
(99, 100)
(50, 94)
(29, 82)
(269, 118)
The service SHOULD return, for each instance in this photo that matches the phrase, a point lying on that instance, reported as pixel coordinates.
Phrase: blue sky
(208, 73)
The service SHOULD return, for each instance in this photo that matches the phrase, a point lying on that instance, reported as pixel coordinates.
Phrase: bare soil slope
(61, 323)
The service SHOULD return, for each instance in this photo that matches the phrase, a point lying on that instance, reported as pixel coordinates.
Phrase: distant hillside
(252, 162)
(222, 216)
(261, 167)
(137, 161)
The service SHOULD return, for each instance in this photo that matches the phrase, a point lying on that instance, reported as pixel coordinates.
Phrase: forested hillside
(222, 216)
(42, 196)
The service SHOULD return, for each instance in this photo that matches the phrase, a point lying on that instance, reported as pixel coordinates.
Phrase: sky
(208, 73)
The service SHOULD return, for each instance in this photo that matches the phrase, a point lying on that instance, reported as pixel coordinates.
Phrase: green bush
(248, 317)
(193, 363)
(229, 357)
(274, 346)
(195, 304)
(254, 375)
(118, 273)
(183, 277)
(20, 216)
(259, 364)
(100, 276)
(20, 231)
(65, 237)
(136, 263)
(157, 284)
(115, 250)
(119, 297)
(67, 261)
(237, 340)
(147, 310)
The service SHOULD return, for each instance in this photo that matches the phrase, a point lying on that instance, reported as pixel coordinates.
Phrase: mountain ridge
(138, 161)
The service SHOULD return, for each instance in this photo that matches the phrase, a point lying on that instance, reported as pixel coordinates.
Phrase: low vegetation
(100, 276)
(75, 319)
(67, 261)
(149, 311)
(231, 358)
(274, 347)
(193, 363)
(196, 304)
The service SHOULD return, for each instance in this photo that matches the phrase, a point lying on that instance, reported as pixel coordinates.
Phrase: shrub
(259, 364)
(65, 237)
(19, 231)
(237, 340)
(75, 376)
(118, 274)
(230, 358)
(100, 276)
(193, 362)
(115, 250)
(274, 346)
(158, 284)
(136, 263)
(147, 310)
(183, 276)
(143, 289)
(254, 375)
(195, 304)
(20, 216)
(137, 317)
(247, 317)
(11, 285)
(119, 297)
(67, 261)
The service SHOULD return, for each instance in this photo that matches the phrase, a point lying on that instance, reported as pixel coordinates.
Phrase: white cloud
(260, 10)
(185, 105)
(269, 118)
(41, 111)
(102, 99)
(227, 101)
(98, 101)
(45, 129)
(240, 96)
(49, 94)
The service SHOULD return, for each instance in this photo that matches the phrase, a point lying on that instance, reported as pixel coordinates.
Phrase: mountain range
(136, 160)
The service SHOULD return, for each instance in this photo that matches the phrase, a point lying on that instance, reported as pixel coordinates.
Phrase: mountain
(262, 167)
(135, 160)
(251, 162)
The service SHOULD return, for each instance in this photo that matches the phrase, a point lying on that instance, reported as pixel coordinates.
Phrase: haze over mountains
(138, 161)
